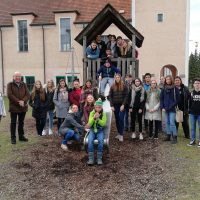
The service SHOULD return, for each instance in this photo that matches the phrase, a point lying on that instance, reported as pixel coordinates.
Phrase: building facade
(36, 38)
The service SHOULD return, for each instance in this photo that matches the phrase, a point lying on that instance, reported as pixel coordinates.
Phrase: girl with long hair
(137, 103)
(50, 88)
(61, 101)
(38, 101)
(118, 100)
(169, 99)
(88, 107)
(153, 113)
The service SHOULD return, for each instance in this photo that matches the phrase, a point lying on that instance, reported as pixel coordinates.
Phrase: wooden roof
(107, 16)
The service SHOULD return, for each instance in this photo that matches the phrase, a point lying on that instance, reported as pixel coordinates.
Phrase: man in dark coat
(18, 96)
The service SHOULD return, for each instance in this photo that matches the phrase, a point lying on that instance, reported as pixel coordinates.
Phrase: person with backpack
(194, 111)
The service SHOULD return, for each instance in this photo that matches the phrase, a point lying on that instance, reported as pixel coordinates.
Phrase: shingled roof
(44, 10)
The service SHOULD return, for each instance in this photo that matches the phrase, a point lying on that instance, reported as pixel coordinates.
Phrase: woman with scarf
(137, 103)
(153, 113)
(61, 102)
(169, 99)
(118, 100)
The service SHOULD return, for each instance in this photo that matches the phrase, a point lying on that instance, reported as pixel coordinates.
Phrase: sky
(194, 24)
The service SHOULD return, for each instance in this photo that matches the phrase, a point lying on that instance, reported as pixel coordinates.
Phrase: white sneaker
(118, 136)
(50, 132)
(44, 132)
(141, 136)
(64, 147)
(121, 138)
(133, 136)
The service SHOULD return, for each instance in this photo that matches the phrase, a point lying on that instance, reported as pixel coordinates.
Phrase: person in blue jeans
(96, 123)
(128, 83)
(106, 75)
(71, 127)
(118, 97)
(169, 99)
(194, 111)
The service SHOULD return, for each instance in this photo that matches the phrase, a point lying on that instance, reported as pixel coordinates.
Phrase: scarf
(134, 90)
(63, 94)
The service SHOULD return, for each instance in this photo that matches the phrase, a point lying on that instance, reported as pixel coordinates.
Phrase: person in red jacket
(74, 95)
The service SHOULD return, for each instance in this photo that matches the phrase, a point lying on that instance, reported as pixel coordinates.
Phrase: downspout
(133, 10)
(2, 61)
(44, 54)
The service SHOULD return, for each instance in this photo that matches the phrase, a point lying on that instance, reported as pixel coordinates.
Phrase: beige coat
(153, 102)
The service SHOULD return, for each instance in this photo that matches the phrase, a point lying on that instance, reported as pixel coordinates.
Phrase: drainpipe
(133, 12)
(2, 61)
(44, 54)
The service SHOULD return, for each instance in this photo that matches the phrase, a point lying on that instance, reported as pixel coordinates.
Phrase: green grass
(8, 151)
(187, 172)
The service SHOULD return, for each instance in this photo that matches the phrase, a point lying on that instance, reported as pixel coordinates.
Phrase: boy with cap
(96, 123)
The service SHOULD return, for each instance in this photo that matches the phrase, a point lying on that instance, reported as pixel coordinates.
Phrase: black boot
(174, 141)
(13, 141)
(167, 138)
(23, 139)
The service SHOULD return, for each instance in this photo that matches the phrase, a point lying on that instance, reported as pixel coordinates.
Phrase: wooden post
(84, 70)
(133, 56)
(84, 46)
(85, 63)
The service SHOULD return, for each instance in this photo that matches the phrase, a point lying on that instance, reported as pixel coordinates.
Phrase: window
(65, 34)
(160, 17)
(58, 78)
(22, 36)
(30, 80)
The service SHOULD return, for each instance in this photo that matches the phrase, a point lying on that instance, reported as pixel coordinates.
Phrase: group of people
(114, 48)
(80, 110)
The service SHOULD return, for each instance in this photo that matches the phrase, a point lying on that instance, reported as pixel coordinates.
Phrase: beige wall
(165, 41)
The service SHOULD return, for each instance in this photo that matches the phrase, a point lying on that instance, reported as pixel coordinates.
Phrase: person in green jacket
(96, 123)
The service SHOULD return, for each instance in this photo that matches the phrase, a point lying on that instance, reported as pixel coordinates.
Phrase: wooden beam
(84, 46)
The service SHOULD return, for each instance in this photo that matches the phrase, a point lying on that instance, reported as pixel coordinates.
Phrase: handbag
(179, 115)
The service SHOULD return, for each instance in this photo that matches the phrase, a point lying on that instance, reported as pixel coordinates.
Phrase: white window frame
(60, 34)
(18, 35)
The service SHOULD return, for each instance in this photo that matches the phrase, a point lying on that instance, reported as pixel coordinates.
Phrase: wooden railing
(126, 66)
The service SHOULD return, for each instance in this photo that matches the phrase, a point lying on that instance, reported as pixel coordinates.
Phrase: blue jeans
(49, 119)
(170, 123)
(103, 83)
(92, 136)
(126, 118)
(70, 135)
(119, 118)
(193, 122)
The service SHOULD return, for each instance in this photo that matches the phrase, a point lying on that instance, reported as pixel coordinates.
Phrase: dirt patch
(133, 170)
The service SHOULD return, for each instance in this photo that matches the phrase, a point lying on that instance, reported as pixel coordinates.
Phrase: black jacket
(39, 107)
(50, 105)
(183, 103)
